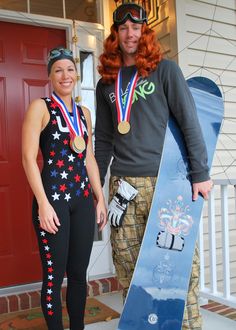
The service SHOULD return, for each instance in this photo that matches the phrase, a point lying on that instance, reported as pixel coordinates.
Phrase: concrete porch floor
(211, 320)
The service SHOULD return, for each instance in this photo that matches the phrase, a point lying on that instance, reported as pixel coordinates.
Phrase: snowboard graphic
(159, 286)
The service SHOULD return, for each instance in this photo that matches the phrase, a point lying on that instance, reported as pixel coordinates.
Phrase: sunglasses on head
(56, 52)
(130, 11)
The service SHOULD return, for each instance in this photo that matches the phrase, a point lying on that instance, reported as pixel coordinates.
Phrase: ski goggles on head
(57, 54)
(130, 11)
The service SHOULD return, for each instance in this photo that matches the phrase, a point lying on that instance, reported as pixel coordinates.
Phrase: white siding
(206, 38)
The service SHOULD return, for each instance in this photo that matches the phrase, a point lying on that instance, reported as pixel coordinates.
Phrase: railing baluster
(201, 251)
(212, 241)
(225, 240)
(235, 201)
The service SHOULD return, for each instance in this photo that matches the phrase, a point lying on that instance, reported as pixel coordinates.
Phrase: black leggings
(67, 251)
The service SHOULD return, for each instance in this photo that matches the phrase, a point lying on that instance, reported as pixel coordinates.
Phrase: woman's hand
(101, 214)
(48, 218)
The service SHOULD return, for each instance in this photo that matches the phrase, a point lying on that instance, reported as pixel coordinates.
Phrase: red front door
(23, 77)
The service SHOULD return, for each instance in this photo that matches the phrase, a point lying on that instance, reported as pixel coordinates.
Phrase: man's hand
(202, 188)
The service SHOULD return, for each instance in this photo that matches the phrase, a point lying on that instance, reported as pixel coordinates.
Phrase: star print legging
(67, 251)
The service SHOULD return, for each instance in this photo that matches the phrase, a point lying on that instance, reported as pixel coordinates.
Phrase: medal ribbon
(123, 111)
(74, 124)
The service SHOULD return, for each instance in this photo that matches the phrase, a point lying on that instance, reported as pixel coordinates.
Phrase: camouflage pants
(127, 239)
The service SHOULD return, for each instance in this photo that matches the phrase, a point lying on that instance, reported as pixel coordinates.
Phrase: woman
(63, 208)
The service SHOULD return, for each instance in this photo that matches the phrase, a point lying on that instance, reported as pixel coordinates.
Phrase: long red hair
(147, 58)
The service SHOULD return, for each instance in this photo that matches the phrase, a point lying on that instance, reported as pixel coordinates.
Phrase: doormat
(220, 309)
(32, 319)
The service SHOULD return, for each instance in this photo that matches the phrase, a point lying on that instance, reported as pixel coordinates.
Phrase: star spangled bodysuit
(68, 190)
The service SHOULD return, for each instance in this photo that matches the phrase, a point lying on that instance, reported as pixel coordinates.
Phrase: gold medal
(124, 127)
(77, 144)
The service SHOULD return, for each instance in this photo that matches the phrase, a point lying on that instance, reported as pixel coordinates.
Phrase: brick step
(220, 309)
(28, 300)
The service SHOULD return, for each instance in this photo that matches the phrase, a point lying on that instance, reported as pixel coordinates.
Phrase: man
(135, 96)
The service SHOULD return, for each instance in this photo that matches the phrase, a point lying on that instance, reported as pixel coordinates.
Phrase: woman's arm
(35, 120)
(93, 174)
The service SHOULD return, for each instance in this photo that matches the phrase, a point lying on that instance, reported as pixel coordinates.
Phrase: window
(83, 10)
(47, 8)
(80, 10)
(14, 5)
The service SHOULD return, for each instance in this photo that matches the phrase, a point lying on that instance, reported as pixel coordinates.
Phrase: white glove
(169, 241)
(118, 205)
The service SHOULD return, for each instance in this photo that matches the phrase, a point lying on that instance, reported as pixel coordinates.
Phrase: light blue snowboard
(159, 286)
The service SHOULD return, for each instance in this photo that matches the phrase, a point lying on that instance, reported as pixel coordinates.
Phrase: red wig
(147, 58)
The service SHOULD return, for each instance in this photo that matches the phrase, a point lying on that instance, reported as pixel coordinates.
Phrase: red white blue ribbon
(73, 123)
(123, 110)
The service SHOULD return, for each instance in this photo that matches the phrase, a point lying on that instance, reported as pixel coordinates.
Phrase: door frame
(68, 26)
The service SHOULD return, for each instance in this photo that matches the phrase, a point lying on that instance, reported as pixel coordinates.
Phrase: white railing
(217, 244)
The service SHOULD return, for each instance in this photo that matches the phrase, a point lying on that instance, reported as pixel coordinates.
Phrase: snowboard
(159, 286)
